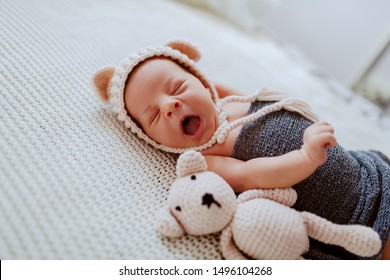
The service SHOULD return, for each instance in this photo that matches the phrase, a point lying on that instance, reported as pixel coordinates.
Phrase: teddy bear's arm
(167, 225)
(286, 196)
(228, 247)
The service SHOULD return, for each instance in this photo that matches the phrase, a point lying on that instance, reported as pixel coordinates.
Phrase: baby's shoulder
(237, 110)
(226, 148)
(234, 111)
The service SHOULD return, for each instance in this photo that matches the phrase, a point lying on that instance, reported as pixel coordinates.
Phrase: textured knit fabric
(74, 182)
(350, 188)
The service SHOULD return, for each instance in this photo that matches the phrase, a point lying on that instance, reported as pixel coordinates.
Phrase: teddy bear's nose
(208, 199)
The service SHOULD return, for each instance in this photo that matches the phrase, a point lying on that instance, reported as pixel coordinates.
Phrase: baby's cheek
(166, 136)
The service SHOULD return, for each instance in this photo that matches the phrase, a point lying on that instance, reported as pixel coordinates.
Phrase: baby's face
(171, 105)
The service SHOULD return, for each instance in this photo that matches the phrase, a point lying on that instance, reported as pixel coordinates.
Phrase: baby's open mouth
(190, 125)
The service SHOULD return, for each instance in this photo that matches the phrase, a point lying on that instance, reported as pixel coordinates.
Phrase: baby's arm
(277, 172)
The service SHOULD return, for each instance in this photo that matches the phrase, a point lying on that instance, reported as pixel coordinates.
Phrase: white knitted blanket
(74, 184)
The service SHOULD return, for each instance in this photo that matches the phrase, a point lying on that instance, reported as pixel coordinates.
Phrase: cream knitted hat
(109, 82)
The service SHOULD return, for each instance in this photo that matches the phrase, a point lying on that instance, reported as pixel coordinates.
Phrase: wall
(341, 36)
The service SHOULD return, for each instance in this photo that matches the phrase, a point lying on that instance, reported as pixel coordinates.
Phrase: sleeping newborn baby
(262, 141)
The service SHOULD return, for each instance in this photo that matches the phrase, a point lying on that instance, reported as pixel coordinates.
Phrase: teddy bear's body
(285, 231)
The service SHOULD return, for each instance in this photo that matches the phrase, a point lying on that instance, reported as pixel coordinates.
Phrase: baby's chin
(188, 143)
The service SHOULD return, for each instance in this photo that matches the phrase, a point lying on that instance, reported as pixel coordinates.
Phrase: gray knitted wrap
(350, 188)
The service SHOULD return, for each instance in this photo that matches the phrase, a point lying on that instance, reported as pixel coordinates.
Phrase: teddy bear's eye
(193, 177)
(178, 208)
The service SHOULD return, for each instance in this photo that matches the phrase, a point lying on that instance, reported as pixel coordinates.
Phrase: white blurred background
(349, 39)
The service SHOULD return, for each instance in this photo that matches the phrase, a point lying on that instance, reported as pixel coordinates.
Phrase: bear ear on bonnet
(185, 48)
(101, 81)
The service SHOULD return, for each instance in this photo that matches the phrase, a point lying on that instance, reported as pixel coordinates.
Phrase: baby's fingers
(327, 139)
(321, 127)
(322, 140)
(320, 131)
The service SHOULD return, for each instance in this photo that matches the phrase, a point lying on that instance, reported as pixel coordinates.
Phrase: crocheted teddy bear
(258, 224)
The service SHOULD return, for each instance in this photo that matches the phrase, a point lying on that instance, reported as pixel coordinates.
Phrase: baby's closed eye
(154, 116)
(179, 87)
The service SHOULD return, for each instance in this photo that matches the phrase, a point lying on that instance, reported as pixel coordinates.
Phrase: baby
(262, 141)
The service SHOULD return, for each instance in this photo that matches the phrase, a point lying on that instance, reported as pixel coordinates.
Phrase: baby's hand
(317, 139)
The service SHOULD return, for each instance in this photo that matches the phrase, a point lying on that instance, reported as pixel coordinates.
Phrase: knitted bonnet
(109, 82)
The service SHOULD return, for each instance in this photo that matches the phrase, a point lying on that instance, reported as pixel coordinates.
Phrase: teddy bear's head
(200, 202)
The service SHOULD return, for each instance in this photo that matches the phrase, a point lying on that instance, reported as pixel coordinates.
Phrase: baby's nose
(171, 107)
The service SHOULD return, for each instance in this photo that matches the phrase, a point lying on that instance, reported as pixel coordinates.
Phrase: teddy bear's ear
(185, 48)
(190, 162)
(101, 80)
(167, 225)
